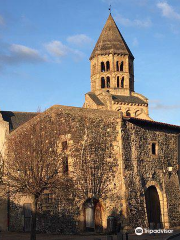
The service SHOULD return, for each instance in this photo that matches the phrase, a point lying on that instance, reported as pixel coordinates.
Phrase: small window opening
(65, 165)
(153, 148)
(117, 82)
(64, 145)
(122, 67)
(102, 67)
(108, 82)
(122, 82)
(107, 66)
(102, 82)
(117, 66)
(128, 114)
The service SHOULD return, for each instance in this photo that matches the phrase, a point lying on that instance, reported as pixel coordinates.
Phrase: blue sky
(45, 47)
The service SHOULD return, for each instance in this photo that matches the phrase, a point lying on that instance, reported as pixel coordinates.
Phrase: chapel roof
(128, 99)
(16, 119)
(111, 41)
(151, 123)
(95, 98)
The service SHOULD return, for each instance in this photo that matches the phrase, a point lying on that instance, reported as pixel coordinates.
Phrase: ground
(26, 236)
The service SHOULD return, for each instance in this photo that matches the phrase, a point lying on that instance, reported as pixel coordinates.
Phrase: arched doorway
(93, 215)
(153, 206)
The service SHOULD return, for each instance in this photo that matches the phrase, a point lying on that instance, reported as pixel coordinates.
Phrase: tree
(97, 163)
(33, 162)
(97, 167)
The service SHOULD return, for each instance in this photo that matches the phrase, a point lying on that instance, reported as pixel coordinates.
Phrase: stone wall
(142, 169)
(110, 160)
(92, 138)
(4, 130)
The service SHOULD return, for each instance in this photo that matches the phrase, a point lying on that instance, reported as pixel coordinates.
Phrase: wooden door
(98, 217)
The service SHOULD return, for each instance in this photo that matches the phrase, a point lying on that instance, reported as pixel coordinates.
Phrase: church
(123, 166)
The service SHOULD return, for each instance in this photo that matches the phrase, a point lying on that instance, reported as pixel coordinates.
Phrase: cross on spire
(110, 8)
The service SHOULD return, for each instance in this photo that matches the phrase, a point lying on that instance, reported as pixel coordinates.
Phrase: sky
(45, 47)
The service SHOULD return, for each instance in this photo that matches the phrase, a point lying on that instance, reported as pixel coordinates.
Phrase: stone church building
(122, 165)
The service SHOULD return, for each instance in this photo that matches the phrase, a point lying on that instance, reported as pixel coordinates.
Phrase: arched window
(118, 82)
(102, 67)
(107, 66)
(122, 67)
(122, 82)
(137, 113)
(108, 82)
(128, 114)
(117, 66)
(102, 82)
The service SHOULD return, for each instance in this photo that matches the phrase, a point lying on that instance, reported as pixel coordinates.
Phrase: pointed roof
(111, 41)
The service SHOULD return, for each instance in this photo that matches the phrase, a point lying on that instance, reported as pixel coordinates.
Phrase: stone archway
(163, 203)
(93, 215)
(153, 206)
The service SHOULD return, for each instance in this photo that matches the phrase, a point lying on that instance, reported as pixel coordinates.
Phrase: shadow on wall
(52, 220)
(48, 221)
(3, 213)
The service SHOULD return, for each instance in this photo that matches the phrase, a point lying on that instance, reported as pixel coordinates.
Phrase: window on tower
(102, 82)
(118, 82)
(108, 82)
(102, 67)
(128, 114)
(122, 82)
(107, 66)
(117, 66)
(122, 67)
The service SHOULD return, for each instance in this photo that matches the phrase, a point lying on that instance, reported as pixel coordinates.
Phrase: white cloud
(80, 39)
(2, 22)
(131, 23)
(15, 54)
(168, 11)
(59, 50)
(157, 105)
(21, 50)
(56, 48)
(135, 42)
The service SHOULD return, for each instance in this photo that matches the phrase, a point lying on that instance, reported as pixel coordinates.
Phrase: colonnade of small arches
(129, 113)
(105, 66)
(106, 82)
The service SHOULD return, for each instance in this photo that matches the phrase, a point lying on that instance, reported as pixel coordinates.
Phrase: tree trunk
(33, 222)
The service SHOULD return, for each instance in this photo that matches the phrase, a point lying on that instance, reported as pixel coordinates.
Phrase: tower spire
(111, 41)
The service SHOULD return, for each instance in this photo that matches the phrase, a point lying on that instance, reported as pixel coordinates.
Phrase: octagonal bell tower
(112, 62)
(112, 75)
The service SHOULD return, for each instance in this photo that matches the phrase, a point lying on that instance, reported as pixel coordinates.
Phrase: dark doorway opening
(93, 215)
(153, 207)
